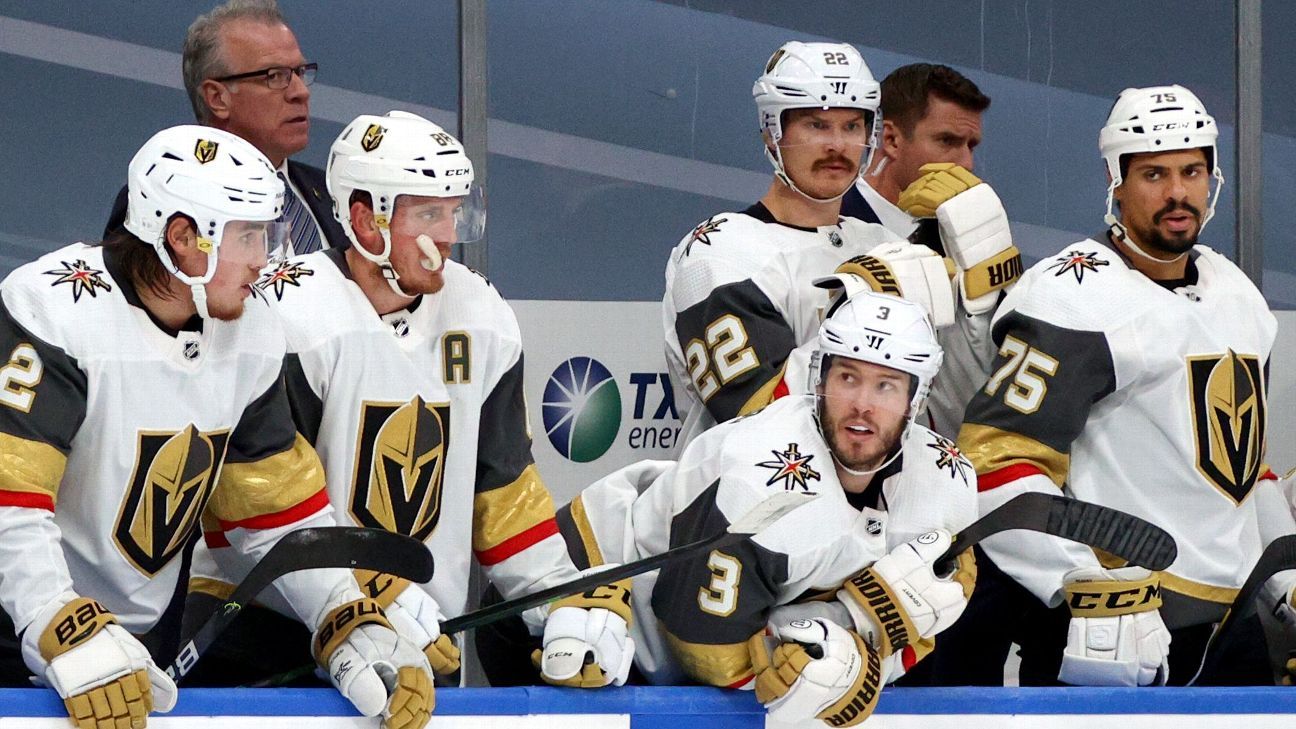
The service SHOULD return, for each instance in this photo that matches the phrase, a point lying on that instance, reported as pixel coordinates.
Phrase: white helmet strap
(383, 260)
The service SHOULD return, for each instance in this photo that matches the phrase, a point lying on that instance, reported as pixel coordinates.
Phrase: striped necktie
(302, 231)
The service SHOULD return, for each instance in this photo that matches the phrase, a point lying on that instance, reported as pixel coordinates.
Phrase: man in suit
(245, 74)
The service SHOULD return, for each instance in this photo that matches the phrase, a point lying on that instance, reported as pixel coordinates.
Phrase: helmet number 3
(725, 351)
(1028, 367)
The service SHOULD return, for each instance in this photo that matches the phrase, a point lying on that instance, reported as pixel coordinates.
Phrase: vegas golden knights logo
(1228, 410)
(373, 137)
(400, 466)
(205, 151)
(173, 476)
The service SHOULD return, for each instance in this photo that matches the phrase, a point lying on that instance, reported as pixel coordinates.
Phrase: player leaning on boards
(405, 371)
(890, 492)
(739, 296)
(1131, 373)
(931, 127)
(137, 374)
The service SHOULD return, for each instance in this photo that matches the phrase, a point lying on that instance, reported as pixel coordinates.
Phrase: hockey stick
(306, 549)
(1124, 535)
(1278, 556)
(752, 522)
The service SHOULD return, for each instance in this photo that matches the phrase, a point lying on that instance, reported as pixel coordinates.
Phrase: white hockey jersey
(739, 297)
(117, 435)
(1143, 397)
(419, 419)
(693, 618)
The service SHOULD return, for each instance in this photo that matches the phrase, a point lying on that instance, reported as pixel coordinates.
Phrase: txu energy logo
(581, 409)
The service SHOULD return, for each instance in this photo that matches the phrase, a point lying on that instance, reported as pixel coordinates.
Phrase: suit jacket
(855, 206)
(308, 179)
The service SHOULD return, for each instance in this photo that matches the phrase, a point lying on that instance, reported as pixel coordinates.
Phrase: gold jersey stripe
(717, 665)
(764, 395)
(581, 519)
(507, 511)
(29, 466)
(991, 449)
(271, 485)
(219, 589)
(1199, 590)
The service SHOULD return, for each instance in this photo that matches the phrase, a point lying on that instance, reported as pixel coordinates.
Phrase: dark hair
(906, 91)
(140, 263)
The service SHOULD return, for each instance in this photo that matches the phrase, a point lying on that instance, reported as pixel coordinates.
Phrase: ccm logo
(457, 173)
(1171, 126)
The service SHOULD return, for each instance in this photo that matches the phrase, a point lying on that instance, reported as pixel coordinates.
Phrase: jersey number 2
(726, 348)
(19, 376)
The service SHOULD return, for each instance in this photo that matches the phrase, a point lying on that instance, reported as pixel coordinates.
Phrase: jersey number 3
(726, 349)
(720, 596)
(19, 376)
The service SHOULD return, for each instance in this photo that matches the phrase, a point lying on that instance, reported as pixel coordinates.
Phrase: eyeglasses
(277, 77)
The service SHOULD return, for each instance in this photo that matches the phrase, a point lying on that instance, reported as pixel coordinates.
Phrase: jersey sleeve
(733, 344)
(515, 530)
(42, 406)
(306, 405)
(710, 605)
(1018, 432)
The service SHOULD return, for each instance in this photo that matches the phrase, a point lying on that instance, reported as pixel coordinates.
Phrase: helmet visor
(253, 242)
(460, 219)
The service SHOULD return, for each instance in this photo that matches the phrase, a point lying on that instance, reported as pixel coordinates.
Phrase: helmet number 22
(1028, 367)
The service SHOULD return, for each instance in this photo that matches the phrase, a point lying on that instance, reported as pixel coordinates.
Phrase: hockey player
(140, 393)
(406, 373)
(1131, 373)
(739, 295)
(890, 493)
(931, 126)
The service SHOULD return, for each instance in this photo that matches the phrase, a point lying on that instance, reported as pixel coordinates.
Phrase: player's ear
(364, 226)
(180, 235)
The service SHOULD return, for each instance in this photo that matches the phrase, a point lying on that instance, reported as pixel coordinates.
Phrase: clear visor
(253, 242)
(445, 220)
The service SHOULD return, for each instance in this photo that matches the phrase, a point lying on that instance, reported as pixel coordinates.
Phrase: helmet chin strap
(199, 292)
(909, 419)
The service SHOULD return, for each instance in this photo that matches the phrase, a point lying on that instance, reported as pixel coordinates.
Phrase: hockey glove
(1116, 636)
(104, 675)
(587, 641)
(910, 271)
(900, 600)
(821, 670)
(374, 667)
(974, 230)
(414, 614)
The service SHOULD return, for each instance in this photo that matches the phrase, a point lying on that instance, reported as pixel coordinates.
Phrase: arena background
(617, 125)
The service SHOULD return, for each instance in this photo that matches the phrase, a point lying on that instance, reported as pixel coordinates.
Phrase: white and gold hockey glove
(373, 666)
(1116, 636)
(414, 614)
(973, 227)
(104, 675)
(819, 670)
(908, 270)
(587, 641)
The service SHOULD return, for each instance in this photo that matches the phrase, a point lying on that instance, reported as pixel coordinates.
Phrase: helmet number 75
(1028, 367)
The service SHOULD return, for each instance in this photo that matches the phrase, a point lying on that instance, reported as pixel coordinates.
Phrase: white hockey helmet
(210, 176)
(401, 154)
(815, 75)
(884, 330)
(1157, 119)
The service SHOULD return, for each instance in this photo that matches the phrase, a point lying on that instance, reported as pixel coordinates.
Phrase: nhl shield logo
(1228, 412)
(373, 137)
(172, 478)
(205, 150)
(400, 466)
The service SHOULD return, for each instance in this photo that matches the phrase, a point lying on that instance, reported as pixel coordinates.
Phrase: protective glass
(444, 219)
(253, 242)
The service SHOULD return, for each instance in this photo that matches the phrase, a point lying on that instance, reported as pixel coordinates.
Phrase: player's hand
(819, 670)
(900, 599)
(587, 641)
(104, 675)
(415, 615)
(373, 666)
(908, 270)
(1116, 636)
